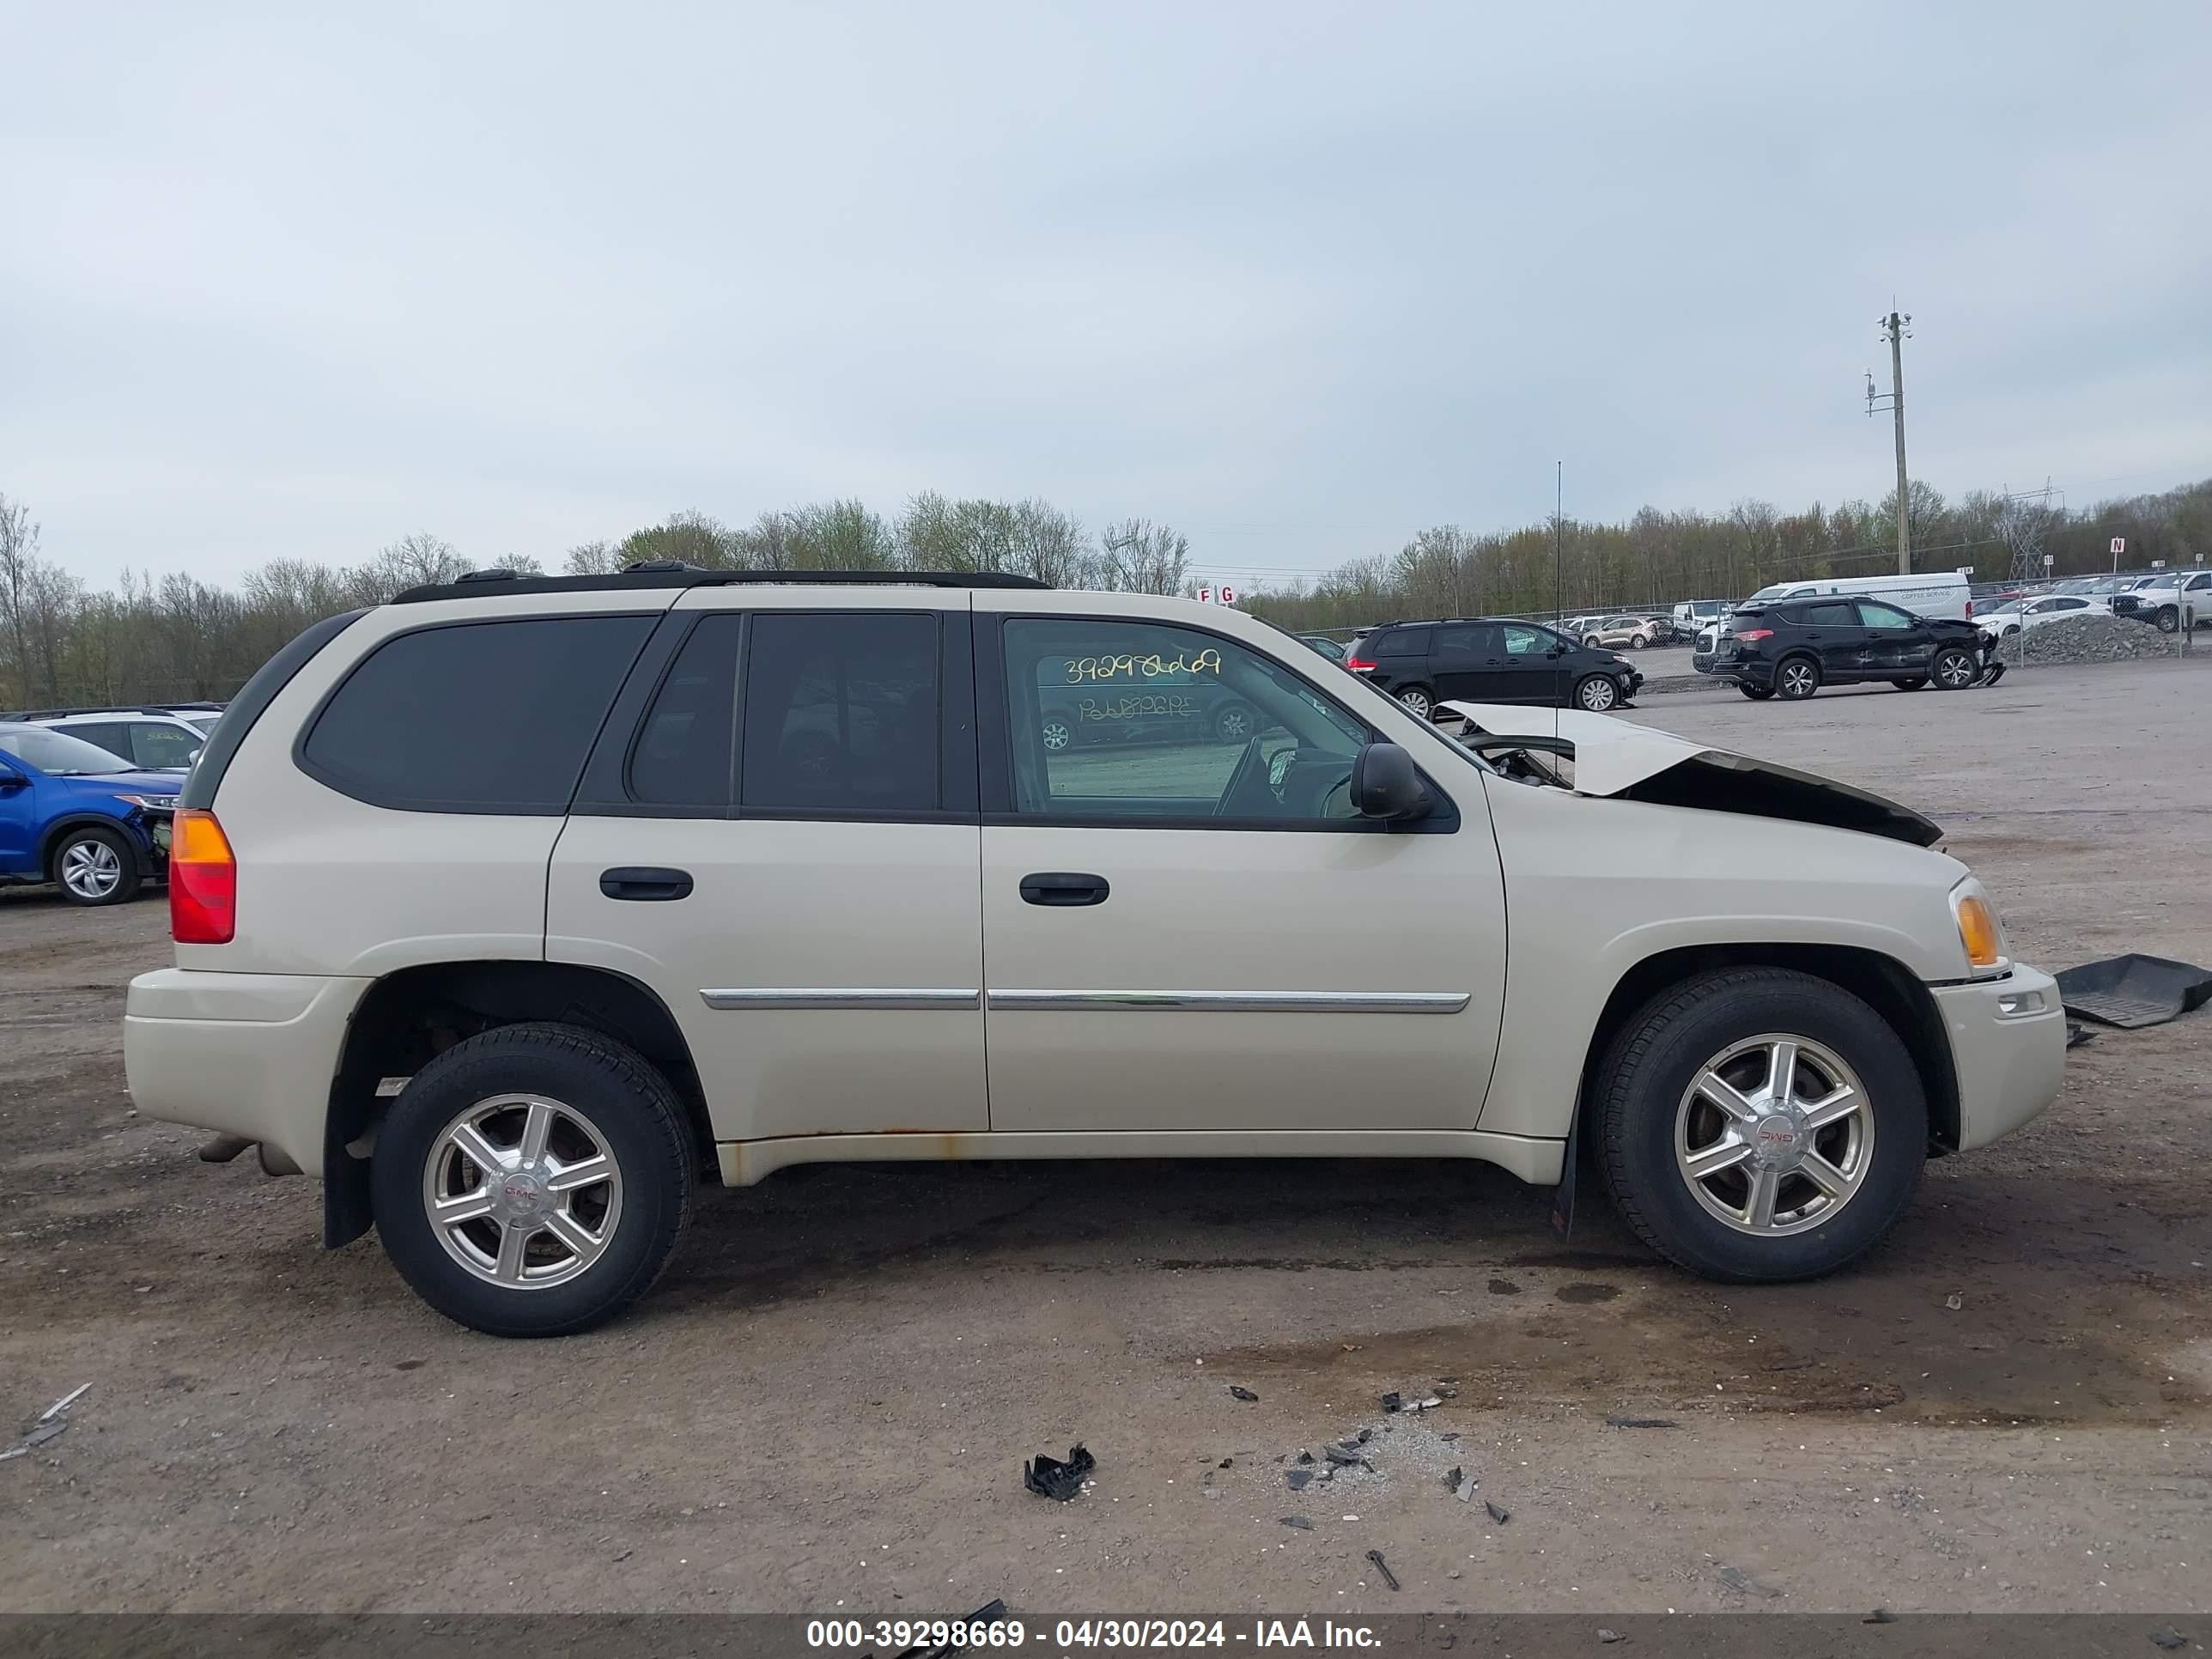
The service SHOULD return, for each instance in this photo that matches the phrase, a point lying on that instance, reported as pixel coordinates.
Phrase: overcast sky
(1297, 279)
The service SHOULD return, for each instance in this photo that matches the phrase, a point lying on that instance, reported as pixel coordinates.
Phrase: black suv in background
(1490, 660)
(1793, 648)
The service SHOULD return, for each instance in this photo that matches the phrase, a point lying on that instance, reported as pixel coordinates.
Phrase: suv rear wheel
(93, 865)
(1759, 1124)
(1418, 702)
(532, 1181)
(1796, 679)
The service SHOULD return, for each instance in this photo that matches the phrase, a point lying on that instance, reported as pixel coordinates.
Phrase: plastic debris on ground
(1299, 1521)
(1499, 1515)
(1051, 1478)
(1641, 1423)
(49, 1424)
(2134, 991)
(2077, 1034)
(1240, 1392)
(1383, 1567)
(1743, 1583)
(1298, 1478)
(993, 1612)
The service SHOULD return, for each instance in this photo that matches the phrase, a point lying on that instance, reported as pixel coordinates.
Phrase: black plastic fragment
(1238, 1392)
(2077, 1034)
(2170, 1638)
(1051, 1478)
(1383, 1567)
(1297, 1479)
(1880, 1616)
(1393, 1402)
(1641, 1423)
(1297, 1520)
(1499, 1515)
(2134, 991)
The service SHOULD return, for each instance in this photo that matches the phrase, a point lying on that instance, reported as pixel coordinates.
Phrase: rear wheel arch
(1882, 982)
(409, 1017)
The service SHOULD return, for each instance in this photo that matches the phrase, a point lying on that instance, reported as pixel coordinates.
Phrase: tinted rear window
(1831, 613)
(484, 717)
(841, 714)
(1399, 643)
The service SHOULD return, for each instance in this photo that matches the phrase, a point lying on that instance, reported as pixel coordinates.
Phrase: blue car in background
(73, 814)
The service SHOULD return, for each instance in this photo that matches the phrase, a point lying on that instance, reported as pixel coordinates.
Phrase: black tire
(1756, 693)
(2169, 620)
(93, 866)
(1597, 694)
(1955, 668)
(1648, 1071)
(1796, 679)
(1057, 731)
(1418, 699)
(1235, 722)
(644, 1132)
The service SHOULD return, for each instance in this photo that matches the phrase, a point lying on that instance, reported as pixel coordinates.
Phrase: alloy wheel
(523, 1191)
(1056, 734)
(91, 869)
(1598, 693)
(1417, 703)
(1956, 670)
(1774, 1135)
(1798, 680)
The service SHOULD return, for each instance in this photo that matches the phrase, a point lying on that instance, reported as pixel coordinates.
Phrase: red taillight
(1754, 633)
(1360, 665)
(202, 881)
(1969, 611)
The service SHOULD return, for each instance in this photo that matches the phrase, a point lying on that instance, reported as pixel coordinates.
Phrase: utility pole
(1896, 330)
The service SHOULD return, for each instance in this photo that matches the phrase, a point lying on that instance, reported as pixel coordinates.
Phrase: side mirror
(1384, 784)
(11, 780)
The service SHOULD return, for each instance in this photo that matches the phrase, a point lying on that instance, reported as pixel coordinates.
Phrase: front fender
(1594, 887)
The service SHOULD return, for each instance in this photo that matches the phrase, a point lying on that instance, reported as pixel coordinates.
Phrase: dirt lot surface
(826, 1404)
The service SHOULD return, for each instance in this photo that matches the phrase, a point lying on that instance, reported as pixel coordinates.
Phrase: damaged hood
(1612, 758)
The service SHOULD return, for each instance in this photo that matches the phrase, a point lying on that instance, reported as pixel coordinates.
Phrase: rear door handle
(1064, 888)
(647, 883)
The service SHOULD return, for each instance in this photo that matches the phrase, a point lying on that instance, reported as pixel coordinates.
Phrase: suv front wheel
(532, 1181)
(1759, 1124)
(93, 865)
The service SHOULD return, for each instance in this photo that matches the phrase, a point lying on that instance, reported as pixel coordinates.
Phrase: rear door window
(1836, 613)
(479, 717)
(841, 715)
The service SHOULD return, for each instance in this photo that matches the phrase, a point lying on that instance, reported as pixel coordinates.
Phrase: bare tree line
(178, 638)
(1656, 558)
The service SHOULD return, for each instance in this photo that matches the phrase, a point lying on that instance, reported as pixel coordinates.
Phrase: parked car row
(88, 795)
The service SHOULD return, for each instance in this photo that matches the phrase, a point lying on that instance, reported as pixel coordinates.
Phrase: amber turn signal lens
(1977, 932)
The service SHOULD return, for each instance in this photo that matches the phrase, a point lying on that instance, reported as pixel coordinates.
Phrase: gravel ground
(825, 1405)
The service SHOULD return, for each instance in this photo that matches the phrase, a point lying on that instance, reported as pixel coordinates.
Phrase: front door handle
(647, 883)
(1064, 888)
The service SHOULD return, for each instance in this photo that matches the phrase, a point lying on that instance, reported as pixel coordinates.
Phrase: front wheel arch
(1883, 983)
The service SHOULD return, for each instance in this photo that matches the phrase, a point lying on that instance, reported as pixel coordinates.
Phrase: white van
(1927, 595)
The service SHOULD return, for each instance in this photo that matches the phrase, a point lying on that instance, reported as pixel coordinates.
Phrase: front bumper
(2008, 1050)
(247, 1055)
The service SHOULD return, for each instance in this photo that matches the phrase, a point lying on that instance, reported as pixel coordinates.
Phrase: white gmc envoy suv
(510, 907)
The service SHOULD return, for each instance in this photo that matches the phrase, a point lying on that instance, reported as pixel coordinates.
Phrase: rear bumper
(245, 1055)
(2008, 1049)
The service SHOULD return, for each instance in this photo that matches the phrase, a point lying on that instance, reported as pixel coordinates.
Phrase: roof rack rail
(673, 573)
(104, 708)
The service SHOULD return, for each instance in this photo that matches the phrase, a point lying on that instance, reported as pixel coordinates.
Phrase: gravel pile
(2088, 639)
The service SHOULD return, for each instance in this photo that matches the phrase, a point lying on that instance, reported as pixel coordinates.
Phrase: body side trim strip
(839, 997)
(1234, 1002)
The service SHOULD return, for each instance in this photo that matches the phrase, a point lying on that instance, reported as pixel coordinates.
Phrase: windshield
(58, 754)
(203, 724)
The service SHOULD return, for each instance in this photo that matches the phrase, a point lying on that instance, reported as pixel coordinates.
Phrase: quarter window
(481, 717)
(1142, 721)
(841, 714)
(685, 748)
